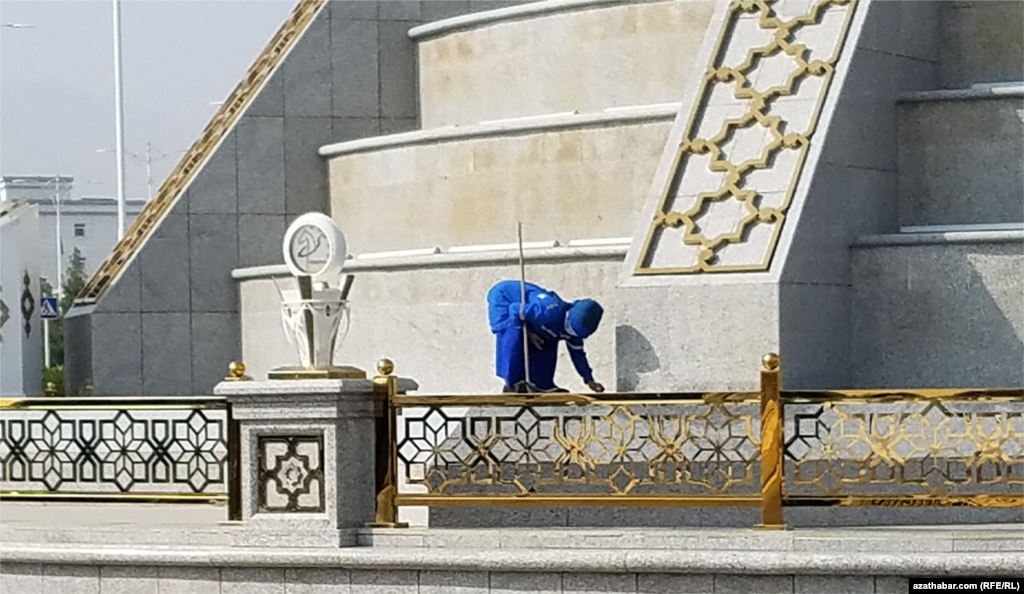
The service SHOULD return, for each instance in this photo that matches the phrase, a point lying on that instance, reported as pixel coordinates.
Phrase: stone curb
(545, 560)
(511, 13)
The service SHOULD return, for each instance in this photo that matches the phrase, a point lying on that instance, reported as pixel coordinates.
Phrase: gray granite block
(384, 582)
(981, 42)
(260, 238)
(117, 354)
(833, 584)
(307, 71)
(483, 5)
(270, 100)
(891, 585)
(214, 189)
(476, 517)
(398, 10)
(397, 125)
(21, 578)
(261, 168)
(939, 544)
(128, 580)
(398, 82)
(671, 583)
(355, 128)
(306, 181)
(355, 84)
(189, 580)
(125, 295)
(316, 580)
(71, 579)
(376, 539)
(745, 584)
(166, 337)
(593, 583)
(535, 582)
(436, 10)
(251, 580)
(360, 10)
(462, 540)
(215, 343)
(294, 538)
(213, 246)
(973, 545)
(164, 267)
(453, 582)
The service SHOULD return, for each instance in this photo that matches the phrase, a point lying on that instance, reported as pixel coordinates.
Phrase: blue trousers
(510, 359)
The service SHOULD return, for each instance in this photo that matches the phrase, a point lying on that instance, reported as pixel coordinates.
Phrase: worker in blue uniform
(548, 321)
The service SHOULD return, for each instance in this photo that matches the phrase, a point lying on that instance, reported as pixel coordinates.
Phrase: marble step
(961, 156)
(556, 56)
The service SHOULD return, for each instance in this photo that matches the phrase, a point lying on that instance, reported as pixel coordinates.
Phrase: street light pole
(119, 119)
(60, 273)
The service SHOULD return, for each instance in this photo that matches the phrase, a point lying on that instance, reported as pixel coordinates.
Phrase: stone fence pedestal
(307, 459)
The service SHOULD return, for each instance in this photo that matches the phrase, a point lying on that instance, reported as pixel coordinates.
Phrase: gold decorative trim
(181, 177)
(606, 500)
(733, 185)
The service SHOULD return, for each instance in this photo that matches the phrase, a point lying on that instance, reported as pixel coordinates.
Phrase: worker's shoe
(554, 390)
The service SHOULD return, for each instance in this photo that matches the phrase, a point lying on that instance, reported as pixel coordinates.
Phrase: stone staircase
(949, 281)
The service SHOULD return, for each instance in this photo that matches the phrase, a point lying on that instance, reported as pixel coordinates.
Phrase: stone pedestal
(307, 459)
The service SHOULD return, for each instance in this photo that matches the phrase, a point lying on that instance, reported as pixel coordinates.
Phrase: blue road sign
(48, 308)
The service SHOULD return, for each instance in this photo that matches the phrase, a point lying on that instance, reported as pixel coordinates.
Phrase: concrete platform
(155, 548)
(115, 525)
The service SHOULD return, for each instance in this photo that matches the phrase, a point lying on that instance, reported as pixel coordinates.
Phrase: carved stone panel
(290, 473)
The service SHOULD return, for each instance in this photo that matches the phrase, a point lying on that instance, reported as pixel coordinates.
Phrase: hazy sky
(57, 81)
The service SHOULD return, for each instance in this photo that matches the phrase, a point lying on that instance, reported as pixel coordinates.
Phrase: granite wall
(170, 324)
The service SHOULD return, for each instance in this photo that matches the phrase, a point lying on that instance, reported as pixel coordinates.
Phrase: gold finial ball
(236, 369)
(770, 361)
(385, 366)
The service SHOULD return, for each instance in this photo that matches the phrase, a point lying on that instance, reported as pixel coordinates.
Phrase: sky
(57, 82)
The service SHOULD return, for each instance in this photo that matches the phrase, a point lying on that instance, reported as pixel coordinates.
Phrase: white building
(21, 344)
(86, 223)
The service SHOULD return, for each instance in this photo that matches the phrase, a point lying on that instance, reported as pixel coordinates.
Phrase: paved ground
(151, 525)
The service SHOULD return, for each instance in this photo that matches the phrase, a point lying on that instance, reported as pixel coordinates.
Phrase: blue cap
(583, 317)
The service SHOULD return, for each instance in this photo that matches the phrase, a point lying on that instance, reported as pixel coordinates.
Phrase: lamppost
(60, 273)
(148, 160)
(119, 119)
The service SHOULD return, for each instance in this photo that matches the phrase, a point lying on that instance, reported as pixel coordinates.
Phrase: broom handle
(522, 306)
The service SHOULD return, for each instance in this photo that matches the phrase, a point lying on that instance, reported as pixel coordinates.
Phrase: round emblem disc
(314, 246)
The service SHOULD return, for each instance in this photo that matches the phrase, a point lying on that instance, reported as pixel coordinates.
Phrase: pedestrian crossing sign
(48, 308)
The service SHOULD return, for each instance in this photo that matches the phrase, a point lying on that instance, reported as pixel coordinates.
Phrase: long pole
(119, 119)
(522, 293)
(149, 171)
(60, 244)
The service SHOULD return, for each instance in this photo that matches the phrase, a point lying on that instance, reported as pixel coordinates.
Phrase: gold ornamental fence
(770, 449)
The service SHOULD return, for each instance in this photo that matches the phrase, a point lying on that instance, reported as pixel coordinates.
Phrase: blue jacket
(544, 314)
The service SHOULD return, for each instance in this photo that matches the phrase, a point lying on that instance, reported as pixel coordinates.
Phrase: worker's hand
(538, 342)
(595, 386)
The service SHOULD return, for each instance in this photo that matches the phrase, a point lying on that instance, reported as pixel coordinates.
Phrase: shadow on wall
(940, 318)
(635, 356)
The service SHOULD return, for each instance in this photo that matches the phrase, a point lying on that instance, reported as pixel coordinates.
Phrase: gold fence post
(771, 445)
(234, 468)
(236, 373)
(385, 388)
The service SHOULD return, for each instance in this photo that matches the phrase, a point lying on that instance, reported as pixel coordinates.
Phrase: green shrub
(55, 375)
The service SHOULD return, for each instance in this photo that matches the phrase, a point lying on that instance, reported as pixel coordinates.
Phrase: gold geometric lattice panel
(622, 450)
(743, 149)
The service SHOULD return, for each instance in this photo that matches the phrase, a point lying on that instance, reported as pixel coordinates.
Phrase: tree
(74, 282)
